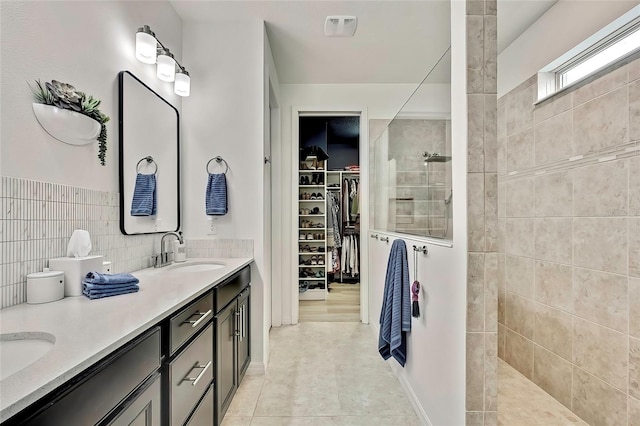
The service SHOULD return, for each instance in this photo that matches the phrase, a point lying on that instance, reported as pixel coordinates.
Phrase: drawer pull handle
(194, 380)
(195, 323)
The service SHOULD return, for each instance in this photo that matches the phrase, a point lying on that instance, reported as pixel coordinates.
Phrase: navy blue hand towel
(216, 195)
(395, 316)
(98, 294)
(144, 201)
(109, 279)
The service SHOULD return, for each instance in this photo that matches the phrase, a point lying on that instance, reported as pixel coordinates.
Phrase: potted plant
(66, 97)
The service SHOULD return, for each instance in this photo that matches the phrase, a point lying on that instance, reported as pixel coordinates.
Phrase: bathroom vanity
(172, 354)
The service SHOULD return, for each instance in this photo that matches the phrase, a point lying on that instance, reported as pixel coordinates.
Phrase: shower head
(435, 158)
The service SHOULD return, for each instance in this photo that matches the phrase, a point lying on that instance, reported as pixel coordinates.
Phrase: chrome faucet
(162, 259)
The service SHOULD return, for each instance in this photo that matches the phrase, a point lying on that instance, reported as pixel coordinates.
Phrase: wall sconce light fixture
(151, 51)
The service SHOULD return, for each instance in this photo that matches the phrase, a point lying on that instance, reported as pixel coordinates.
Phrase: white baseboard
(408, 390)
(256, 369)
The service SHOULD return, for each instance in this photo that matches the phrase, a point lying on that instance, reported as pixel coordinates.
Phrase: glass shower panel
(410, 160)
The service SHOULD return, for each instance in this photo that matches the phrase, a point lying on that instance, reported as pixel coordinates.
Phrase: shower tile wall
(569, 294)
(419, 208)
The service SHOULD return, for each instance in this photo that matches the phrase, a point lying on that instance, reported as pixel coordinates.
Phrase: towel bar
(218, 160)
(149, 159)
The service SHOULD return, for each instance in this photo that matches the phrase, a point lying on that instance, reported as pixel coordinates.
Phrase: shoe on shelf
(304, 166)
(314, 260)
(304, 286)
(313, 196)
(320, 260)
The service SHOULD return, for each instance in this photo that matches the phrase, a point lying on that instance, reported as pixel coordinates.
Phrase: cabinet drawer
(188, 321)
(204, 412)
(190, 375)
(143, 409)
(228, 290)
(116, 377)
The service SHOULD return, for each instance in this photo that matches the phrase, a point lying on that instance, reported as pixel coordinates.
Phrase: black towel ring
(149, 160)
(218, 160)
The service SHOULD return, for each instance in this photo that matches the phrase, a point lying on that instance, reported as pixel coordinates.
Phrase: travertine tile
(520, 197)
(634, 111)
(553, 374)
(474, 418)
(634, 412)
(519, 353)
(596, 402)
(552, 107)
(502, 118)
(245, 400)
(501, 340)
(634, 185)
(520, 275)
(553, 285)
(475, 7)
(502, 302)
(600, 243)
(601, 352)
(554, 194)
(634, 69)
(520, 151)
(502, 199)
(554, 138)
(490, 134)
(634, 367)
(475, 291)
(519, 237)
(475, 54)
(634, 246)
(554, 331)
(502, 156)
(491, 371)
(601, 190)
(520, 108)
(601, 123)
(553, 239)
(634, 307)
(491, 417)
(601, 297)
(520, 315)
(475, 208)
(475, 133)
(490, 54)
(608, 82)
(236, 421)
(475, 372)
(491, 292)
(491, 212)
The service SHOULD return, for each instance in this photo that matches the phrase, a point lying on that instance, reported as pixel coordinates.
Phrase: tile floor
(522, 403)
(324, 374)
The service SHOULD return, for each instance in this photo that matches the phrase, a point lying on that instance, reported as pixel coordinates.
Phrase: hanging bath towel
(144, 201)
(216, 195)
(395, 316)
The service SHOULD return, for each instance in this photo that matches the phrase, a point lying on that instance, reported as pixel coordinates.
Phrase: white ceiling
(396, 41)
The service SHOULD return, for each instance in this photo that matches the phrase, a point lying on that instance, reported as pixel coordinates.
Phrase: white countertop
(88, 330)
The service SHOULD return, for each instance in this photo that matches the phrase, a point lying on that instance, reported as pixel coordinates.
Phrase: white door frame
(361, 111)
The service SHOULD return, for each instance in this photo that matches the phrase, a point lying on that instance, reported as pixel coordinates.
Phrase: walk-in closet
(329, 218)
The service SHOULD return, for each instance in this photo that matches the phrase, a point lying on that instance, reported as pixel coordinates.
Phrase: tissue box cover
(75, 268)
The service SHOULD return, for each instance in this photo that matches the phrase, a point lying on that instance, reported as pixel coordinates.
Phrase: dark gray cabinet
(142, 409)
(244, 341)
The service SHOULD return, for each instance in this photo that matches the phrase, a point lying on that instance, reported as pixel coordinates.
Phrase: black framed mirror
(149, 159)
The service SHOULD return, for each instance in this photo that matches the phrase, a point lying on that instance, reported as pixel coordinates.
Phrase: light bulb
(166, 66)
(146, 45)
(182, 86)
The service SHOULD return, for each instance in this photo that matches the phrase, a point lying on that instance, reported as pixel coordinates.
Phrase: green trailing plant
(65, 96)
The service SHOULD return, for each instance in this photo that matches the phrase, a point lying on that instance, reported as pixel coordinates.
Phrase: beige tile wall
(483, 162)
(569, 289)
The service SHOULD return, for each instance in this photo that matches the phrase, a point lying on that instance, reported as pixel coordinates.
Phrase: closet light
(182, 86)
(146, 45)
(151, 51)
(166, 66)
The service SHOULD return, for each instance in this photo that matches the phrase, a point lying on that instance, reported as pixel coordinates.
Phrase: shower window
(410, 159)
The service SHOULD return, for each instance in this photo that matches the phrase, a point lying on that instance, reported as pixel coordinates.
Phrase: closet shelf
(312, 215)
(311, 186)
(311, 279)
(312, 201)
(311, 241)
(312, 229)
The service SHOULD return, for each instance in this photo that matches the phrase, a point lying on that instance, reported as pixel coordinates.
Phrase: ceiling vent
(340, 26)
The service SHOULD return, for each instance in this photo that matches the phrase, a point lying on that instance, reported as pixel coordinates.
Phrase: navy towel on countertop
(395, 316)
(98, 278)
(216, 195)
(93, 291)
(144, 201)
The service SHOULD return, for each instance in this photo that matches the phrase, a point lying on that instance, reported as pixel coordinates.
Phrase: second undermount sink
(20, 350)
(196, 266)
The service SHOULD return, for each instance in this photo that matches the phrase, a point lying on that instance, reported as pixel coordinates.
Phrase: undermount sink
(20, 350)
(196, 266)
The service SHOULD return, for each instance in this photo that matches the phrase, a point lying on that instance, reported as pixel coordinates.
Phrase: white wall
(560, 29)
(85, 44)
(224, 116)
